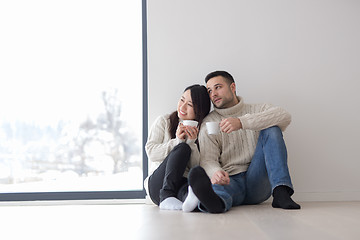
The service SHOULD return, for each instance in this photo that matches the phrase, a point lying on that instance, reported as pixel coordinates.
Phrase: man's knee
(274, 131)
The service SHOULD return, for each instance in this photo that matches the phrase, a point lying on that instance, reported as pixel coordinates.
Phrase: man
(247, 161)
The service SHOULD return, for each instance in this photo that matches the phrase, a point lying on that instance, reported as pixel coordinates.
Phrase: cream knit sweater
(159, 144)
(233, 152)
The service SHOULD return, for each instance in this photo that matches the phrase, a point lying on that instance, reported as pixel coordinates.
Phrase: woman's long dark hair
(201, 103)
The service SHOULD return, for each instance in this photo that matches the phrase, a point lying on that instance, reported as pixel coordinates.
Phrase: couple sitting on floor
(245, 163)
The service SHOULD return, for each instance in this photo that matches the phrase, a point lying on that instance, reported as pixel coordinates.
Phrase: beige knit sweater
(233, 152)
(159, 144)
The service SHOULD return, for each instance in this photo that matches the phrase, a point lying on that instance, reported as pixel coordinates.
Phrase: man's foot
(282, 199)
(201, 185)
(171, 203)
(191, 201)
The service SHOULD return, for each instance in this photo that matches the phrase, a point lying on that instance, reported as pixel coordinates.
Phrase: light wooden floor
(316, 220)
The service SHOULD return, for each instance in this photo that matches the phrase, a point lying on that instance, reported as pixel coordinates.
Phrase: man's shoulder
(213, 115)
(255, 107)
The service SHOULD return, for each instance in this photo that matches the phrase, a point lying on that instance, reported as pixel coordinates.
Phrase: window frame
(102, 195)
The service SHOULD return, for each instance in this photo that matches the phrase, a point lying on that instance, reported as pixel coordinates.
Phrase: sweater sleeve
(209, 152)
(156, 149)
(267, 117)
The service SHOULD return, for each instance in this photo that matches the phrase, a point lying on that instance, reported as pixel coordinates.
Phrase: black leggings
(168, 180)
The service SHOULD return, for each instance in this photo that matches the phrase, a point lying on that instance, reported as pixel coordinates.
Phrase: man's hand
(220, 177)
(228, 125)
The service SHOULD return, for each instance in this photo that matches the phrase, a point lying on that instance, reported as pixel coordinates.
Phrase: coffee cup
(213, 128)
(191, 123)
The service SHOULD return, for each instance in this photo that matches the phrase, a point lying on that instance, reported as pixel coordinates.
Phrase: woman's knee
(183, 147)
(180, 152)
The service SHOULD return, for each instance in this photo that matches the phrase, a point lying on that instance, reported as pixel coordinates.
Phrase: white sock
(171, 203)
(191, 201)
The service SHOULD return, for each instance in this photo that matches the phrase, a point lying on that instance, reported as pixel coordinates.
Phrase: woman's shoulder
(162, 120)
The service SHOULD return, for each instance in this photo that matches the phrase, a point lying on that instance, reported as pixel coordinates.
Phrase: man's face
(222, 94)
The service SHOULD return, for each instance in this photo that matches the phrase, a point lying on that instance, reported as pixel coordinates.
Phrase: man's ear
(233, 87)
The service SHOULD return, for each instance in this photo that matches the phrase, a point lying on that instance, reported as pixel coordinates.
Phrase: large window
(72, 99)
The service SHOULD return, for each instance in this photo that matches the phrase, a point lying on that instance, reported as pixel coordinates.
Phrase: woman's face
(185, 108)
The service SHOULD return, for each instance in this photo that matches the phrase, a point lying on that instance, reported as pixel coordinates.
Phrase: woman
(172, 149)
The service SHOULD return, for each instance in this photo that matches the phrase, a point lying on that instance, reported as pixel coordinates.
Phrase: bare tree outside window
(100, 146)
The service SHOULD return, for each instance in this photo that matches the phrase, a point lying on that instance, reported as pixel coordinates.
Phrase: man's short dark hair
(224, 74)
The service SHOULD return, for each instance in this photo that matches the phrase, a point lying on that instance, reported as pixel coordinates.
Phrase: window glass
(70, 96)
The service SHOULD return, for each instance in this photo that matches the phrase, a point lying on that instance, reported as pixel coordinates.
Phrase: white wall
(302, 55)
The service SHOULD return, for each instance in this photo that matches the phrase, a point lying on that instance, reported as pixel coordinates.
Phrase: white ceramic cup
(191, 123)
(213, 128)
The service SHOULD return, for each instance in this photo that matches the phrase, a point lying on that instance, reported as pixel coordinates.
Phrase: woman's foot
(191, 201)
(171, 203)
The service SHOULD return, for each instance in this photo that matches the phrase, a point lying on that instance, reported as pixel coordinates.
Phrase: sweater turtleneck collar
(231, 111)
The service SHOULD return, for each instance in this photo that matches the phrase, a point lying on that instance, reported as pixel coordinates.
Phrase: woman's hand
(192, 132)
(180, 132)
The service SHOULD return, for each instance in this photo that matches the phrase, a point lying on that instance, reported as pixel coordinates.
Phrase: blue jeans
(268, 169)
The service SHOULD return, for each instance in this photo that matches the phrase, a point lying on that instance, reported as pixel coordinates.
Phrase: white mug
(191, 123)
(213, 128)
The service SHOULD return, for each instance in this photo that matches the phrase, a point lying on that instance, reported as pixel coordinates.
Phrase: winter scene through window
(71, 96)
